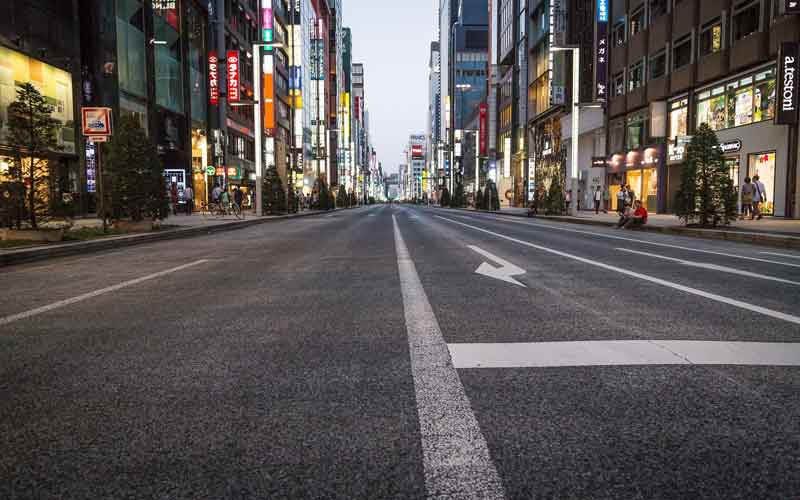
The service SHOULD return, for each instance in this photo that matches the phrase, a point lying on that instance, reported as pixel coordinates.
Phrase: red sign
(96, 121)
(213, 78)
(416, 151)
(220, 171)
(233, 75)
(483, 129)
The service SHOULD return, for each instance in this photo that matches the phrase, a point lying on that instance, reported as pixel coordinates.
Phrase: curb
(25, 255)
(764, 239)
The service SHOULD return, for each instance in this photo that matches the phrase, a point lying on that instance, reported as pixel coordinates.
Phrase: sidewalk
(770, 231)
(178, 226)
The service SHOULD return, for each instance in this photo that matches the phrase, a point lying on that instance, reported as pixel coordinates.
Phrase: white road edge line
(455, 455)
(63, 303)
(624, 353)
(643, 242)
(782, 255)
(652, 279)
(712, 267)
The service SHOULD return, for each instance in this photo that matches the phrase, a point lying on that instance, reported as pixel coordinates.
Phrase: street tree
(490, 198)
(706, 195)
(342, 198)
(445, 198)
(33, 133)
(273, 193)
(479, 202)
(134, 174)
(459, 199)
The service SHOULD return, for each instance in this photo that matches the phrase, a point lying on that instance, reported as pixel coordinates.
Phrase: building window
(616, 135)
(618, 84)
(637, 21)
(658, 64)
(746, 19)
(682, 52)
(636, 76)
(130, 47)
(711, 37)
(678, 118)
(168, 64)
(618, 32)
(740, 102)
(636, 131)
(656, 9)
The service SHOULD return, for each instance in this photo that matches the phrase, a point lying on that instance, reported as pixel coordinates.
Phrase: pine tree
(479, 200)
(445, 199)
(706, 194)
(32, 132)
(134, 176)
(555, 202)
(324, 196)
(273, 195)
(353, 200)
(342, 198)
(458, 199)
(490, 198)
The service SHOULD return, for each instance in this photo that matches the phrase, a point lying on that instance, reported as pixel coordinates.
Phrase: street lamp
(259, 126)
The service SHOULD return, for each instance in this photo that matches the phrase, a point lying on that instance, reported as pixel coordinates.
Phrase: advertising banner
(268, 92)
(483, 109)
(787, 98)
(96, 121)
(601, 52)
(213, 78)
(233, 75)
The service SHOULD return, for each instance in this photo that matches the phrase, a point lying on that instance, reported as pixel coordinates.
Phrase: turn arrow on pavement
(502, 273)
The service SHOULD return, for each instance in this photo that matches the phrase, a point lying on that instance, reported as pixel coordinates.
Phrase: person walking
(568, 199)
(622, 196)
(216, 193)
(606, 200)
(631, 195)
(748, 193)
(188, 196)
(173, 197)
(598, 198)
(759, 196)
(238, 197)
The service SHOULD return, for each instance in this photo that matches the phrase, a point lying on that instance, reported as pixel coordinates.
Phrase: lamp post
(576, 88)
(259, 125)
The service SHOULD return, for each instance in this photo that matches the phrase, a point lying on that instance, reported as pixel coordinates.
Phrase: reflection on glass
(763, 165)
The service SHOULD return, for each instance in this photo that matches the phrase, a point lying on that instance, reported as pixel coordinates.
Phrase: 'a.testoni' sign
(787, 98)
(213, 78)
(232, 62)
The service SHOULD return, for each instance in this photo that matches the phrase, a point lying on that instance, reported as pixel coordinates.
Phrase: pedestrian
(759, 196)
(748, 193)
(580, 199)
(606, 200)
(598, 198)
(631, 196)
(634, 217)
(568, 198)
(173, 196)
(188, 196)
(238, 197)
(622, 195)
(216, 193)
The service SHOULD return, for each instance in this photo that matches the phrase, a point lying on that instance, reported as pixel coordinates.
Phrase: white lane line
(712, 267)
(781, 255)
(624, 353)
(694, 291)
(455, 455)
(62, 303)
(622, 238)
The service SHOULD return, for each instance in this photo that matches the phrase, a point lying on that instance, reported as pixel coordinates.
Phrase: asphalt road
(360, 355)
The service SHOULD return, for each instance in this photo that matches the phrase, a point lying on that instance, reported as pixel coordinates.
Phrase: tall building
(418, 176)
(433, 121)
(346, 113)
(676, 65)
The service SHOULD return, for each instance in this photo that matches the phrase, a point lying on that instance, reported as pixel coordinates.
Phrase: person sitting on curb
(633, 218)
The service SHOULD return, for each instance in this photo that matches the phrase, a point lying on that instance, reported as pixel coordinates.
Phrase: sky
(393, 38)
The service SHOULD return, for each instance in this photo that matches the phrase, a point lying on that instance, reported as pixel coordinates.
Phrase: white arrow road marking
(712, 267)
(85, 296)
(502, 273)
(624, 353)
(652, 279)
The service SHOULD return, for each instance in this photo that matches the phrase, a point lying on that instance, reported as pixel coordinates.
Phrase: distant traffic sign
(96, 121)
(210, 170)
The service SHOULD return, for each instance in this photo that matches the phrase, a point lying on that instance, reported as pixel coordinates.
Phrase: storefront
(640, 170)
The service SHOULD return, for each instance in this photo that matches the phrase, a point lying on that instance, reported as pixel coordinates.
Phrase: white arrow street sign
(502, 273)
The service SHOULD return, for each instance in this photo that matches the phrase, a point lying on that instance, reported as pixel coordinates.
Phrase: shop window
(656, 9)
(658, 64)
(636, 76)
(711, 38)
(618, 84)
(682, 52)
(746, 19)
(637, 21)
(131, 47)
(168, 64)
(732, 164)
(618, 32)
(741, 102)
(763, 166)
(636, 132)
(678, 118)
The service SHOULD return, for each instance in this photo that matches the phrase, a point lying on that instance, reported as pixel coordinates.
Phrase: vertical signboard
(482, 129)
(266, 22)
(601, 52)
(213, 78)
(787, 98)
(268, 92)
(232, 64)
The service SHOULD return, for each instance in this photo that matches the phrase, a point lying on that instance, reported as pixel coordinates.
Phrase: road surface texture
(404, 352)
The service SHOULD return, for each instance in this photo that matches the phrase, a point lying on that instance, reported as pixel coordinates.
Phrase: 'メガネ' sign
(787, 98)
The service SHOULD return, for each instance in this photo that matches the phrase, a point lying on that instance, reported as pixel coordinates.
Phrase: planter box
(128, 226)
(43, 235)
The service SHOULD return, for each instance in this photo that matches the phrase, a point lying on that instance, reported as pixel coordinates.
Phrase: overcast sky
(392, 38)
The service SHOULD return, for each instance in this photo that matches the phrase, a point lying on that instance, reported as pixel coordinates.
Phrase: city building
(676, 65)
(433, 122)
(418, 175)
